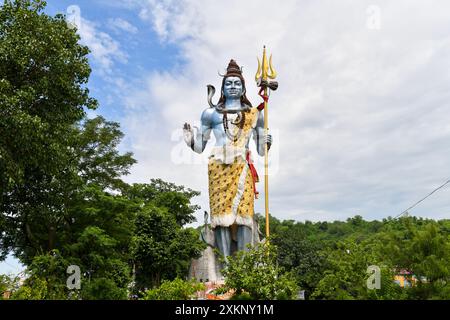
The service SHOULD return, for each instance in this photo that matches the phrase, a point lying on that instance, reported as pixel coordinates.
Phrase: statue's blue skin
(211, 119)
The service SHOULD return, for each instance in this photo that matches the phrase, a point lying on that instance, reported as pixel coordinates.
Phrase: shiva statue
(231, 173)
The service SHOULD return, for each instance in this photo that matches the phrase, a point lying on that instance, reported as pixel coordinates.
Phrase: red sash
(255, 177)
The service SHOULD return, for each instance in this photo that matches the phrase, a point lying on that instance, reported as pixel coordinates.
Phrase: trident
(262, 80)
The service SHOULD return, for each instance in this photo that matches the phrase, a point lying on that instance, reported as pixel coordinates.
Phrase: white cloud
(362, 114)
(105, 50)
(119, 24)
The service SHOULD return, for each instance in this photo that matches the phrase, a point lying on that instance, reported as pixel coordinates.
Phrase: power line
(415, 204)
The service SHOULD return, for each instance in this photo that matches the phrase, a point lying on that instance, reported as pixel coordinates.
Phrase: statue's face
(232, 88)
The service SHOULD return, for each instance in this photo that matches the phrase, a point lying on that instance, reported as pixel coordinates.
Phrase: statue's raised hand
(188, 134)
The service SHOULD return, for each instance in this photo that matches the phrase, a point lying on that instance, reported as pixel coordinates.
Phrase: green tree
(43, 95)
(177, 289)
(43, 73)
(300, 255)
(317, 253)
(53, 210)
(97, 157)
(176, 199)
(8, 283)
(345, 277)
(107, 273)
(75, 213)
(46, 278)
(103, 289)
(422, 248)
(60, 173)
(161, 248)
(255, 275)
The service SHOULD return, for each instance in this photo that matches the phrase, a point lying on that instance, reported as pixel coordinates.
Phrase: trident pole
(262, 79)
(266, 165)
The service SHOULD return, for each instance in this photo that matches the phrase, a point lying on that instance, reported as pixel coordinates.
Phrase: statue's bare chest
(226, 126)
(218, 119)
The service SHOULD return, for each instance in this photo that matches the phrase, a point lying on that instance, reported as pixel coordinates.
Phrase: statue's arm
(259, 137)
(197, 140)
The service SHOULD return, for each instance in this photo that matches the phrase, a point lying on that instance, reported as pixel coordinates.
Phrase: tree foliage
(63, 202)
(43, 76)
(62, 197)
(330, 259)
(255, 275)
(177, 289)
(161, 248)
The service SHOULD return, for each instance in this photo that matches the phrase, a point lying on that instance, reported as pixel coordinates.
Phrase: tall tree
(53, 209)
(301, 255)
(43, 73)
(161, 249)
(177, 199)
(43, 94)
(76, 213)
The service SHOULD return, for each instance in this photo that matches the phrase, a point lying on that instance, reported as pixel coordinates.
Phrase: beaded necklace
(240, 120)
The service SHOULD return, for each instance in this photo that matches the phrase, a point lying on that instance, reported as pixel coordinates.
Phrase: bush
(255, 275)
(103, 289)
(177, 289)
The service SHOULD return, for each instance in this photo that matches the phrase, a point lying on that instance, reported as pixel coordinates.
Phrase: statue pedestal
(207, 268)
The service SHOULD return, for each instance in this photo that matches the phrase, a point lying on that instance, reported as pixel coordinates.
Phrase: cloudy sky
(360, 121)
